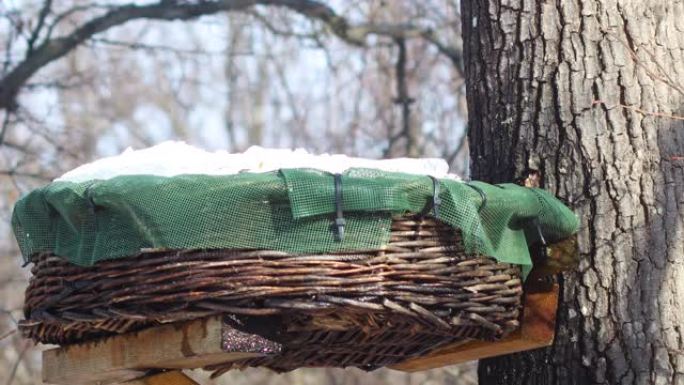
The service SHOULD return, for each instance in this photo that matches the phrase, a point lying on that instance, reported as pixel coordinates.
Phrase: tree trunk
(590, 93)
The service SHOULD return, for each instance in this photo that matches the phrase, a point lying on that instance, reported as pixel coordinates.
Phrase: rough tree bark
(590, 92)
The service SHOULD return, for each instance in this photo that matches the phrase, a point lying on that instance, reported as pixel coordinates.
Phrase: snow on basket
(355, 262)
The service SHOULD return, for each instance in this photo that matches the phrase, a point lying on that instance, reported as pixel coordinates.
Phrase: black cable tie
(436, 200)
(432, 205)
(89, 200)
(539, 232)
(482, 195)
(544, 253)
(339, 219)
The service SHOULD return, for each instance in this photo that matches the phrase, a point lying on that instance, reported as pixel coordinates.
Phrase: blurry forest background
(389, 83)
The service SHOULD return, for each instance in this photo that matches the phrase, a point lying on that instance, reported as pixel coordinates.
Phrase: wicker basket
(364, 309)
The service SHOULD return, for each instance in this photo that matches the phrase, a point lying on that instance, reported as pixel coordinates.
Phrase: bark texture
(591, 93)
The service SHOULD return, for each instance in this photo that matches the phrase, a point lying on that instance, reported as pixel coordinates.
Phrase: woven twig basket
(364, 309)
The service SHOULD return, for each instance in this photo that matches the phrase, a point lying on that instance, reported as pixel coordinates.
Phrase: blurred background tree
(84, 79)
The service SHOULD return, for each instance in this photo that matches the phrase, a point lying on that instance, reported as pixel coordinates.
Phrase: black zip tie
(339, 219)
(89, 199)
(539, 232)
(436, 200)
(482, 195)
(537, 226)
(91, 205)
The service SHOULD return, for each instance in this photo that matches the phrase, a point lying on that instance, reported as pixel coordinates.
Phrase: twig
(13, 372)
(44, 12)
(454, 54)
(404, 100)
(151, 47)
(7, 334)
(9, 314)
(639, 110)
(461, 144)
(3, 129)
(665, 78)
(12, 173)
(71, 11)
(278, 31)
(8, 49)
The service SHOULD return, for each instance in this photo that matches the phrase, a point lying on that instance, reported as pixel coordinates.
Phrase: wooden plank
(120, 358)
(537, 330)
(174, 377)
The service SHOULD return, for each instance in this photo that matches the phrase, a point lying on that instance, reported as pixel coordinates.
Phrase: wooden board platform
(121, 358)
(174, 377)
(537, 331)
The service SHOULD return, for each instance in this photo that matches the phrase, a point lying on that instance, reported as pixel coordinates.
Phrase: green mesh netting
(290, 210)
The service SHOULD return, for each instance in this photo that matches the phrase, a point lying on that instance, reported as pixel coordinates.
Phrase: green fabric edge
(78, 221)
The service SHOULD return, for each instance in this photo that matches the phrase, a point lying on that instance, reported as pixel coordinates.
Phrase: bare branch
(8, 48)
(4, 127)
(54, 48)
(7, 334)
(450, 158)
(408, 131)
(13, 173)
(44, 12)
(397, 31)
(454, 54)
(13, 372)
(133, 45)
(9, 315)
(69, 12)
(639, 110)
(274, 29)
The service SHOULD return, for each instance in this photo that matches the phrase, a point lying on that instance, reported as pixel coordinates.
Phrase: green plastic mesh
(289, 210)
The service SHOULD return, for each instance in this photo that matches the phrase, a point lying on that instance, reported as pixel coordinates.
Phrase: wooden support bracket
(125, 357)
(175, 377)
(537, 331)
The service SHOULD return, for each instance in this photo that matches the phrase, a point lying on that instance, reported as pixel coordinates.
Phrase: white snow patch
(177, 158)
